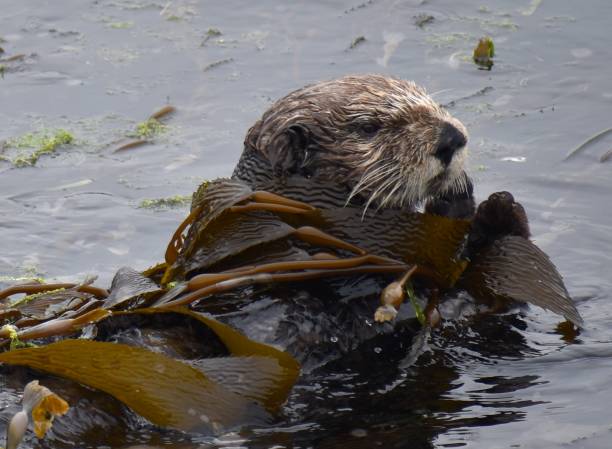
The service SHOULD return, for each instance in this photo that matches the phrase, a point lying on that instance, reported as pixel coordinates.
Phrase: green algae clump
(42, 142)
(484, 53)
(160, 203)
(149, 128)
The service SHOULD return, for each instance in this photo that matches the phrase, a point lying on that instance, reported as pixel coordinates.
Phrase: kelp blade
(428, 240)
(515, 269)
(165, 391)
(267, 374)
(218, 235)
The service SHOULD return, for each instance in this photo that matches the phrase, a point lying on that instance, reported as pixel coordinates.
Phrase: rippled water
(97, 68)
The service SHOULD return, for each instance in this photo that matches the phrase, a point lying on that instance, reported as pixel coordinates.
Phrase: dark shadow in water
(367, 400)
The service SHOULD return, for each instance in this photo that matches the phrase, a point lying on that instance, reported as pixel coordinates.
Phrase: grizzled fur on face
(383, 138)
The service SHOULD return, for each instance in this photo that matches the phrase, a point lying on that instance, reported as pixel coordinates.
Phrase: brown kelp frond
(235, 237)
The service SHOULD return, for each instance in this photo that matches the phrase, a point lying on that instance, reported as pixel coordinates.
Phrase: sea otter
(371, 142)
(374, 143)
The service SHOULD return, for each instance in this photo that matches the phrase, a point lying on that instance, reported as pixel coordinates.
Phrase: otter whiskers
(370, 177)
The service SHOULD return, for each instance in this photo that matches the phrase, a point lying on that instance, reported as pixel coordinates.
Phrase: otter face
(384, 138)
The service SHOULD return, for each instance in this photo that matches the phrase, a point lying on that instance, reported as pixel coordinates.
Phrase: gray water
(97, 68)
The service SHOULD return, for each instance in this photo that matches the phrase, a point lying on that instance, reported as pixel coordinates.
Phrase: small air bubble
(334, 339)
(377, 350)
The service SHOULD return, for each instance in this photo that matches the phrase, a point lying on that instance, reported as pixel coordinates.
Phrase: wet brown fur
(374, 134)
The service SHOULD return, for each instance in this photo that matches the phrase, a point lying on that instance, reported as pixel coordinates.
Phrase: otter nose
(451, 140)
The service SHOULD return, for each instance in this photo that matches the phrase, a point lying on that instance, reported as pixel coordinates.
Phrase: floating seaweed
(484, 53)
(42, 406)
(357, 42)
(195, 373)
(145, 131)
(32, 146)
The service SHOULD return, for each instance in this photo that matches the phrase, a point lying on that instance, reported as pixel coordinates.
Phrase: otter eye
(370, 128)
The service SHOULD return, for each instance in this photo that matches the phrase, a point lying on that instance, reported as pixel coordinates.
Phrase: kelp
(167, 392)
(147, 130)
(225, 209)
(244, 388)
(42, 405)
(514, 269)
(236, 237)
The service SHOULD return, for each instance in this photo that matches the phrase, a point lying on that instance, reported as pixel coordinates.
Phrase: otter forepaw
(498, 216)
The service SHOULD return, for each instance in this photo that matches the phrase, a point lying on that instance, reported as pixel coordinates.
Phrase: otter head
(384, 139)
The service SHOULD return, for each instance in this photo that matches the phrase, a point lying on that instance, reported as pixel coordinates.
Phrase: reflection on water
(99, 68)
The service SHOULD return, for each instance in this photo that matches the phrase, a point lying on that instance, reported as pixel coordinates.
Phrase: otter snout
(451, 140)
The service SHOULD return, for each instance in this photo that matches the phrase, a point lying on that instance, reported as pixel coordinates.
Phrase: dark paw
(454, 204)
(495, 218)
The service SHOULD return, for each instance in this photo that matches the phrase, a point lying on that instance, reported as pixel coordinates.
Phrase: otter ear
(288, 150)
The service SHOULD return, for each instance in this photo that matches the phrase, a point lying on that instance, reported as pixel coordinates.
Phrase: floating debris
(423, 19)
(146, 130)
(131, 144)
(216, 64)
(72, 185)
(606, 156)
(162, 112)
(161, 203)
(584, 144)
(357, 7)
(43, 142)
(440, 40)
(484, 53)
(356, 42)
(478, 93)
(212, 32)
(121, 25)
(149, 128)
